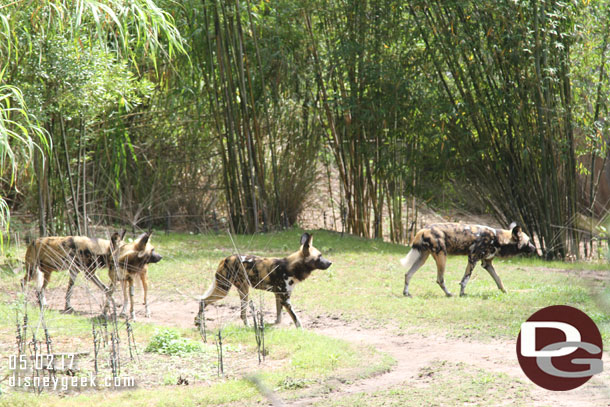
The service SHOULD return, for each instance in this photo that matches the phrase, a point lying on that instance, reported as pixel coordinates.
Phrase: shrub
(169, 342)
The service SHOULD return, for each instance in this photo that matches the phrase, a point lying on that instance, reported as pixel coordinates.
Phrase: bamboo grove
(228, 113)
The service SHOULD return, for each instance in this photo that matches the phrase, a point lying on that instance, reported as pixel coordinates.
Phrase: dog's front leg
(112, 273)
(286, 303)
(124, 285)
(132, 312)
(278, 308)
(490, 269)
(144, 278)
(469, 268)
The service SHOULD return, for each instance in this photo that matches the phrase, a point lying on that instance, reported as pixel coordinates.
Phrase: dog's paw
(67, 310)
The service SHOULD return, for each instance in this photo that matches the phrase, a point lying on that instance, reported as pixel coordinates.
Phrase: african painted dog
(276, 275)
(74, 253)
(477, 242)
(133, 261)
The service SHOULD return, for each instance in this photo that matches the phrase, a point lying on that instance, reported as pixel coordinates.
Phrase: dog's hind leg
(441, 261)
(414, 260)
(109, 305)
(218, 290)
(243, 290)
(41, 287)
(73, 274)
(490, 269)
(467, 274)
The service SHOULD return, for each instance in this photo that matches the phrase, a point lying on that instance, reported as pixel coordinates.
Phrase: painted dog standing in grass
(74, 253)
(477, 242)
(133, 260)
(276, 275)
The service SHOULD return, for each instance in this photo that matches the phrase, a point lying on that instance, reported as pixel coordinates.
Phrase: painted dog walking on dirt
(74, 253)
(271, 274)
(477, 242)
(133, 260)
(125, 262)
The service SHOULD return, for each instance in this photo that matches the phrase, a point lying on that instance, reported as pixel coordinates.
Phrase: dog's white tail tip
(39, 279)
(410, 258)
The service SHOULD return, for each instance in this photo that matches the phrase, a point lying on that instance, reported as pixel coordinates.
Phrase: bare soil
(414, 352)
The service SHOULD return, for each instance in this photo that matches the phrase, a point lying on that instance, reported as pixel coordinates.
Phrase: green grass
(484, 312)
(365, 283)
(296, 359)
(307, 360)
(366, 280)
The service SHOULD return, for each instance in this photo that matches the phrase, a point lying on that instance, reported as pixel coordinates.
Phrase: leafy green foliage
(169, 342)
(225, 114)
(20, 139)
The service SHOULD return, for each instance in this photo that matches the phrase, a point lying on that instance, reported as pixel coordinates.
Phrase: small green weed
(169, 342)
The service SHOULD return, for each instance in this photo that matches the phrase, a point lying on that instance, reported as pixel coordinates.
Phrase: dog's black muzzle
(323, 264)
(155, 258)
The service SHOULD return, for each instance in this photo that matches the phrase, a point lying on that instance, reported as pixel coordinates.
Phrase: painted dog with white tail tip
(477, 242)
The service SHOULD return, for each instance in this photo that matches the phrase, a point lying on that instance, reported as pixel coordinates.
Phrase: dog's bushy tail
(32, 267)
(411, 258)
(39, 279)
(209, 292)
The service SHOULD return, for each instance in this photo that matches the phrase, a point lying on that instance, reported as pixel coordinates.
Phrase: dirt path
(412, 352)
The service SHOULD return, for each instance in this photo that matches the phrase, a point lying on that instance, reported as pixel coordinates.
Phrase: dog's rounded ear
(142, 241)
(512, 225)
(115, 240)
(123, 231)
(516, 231)
(305, 239)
